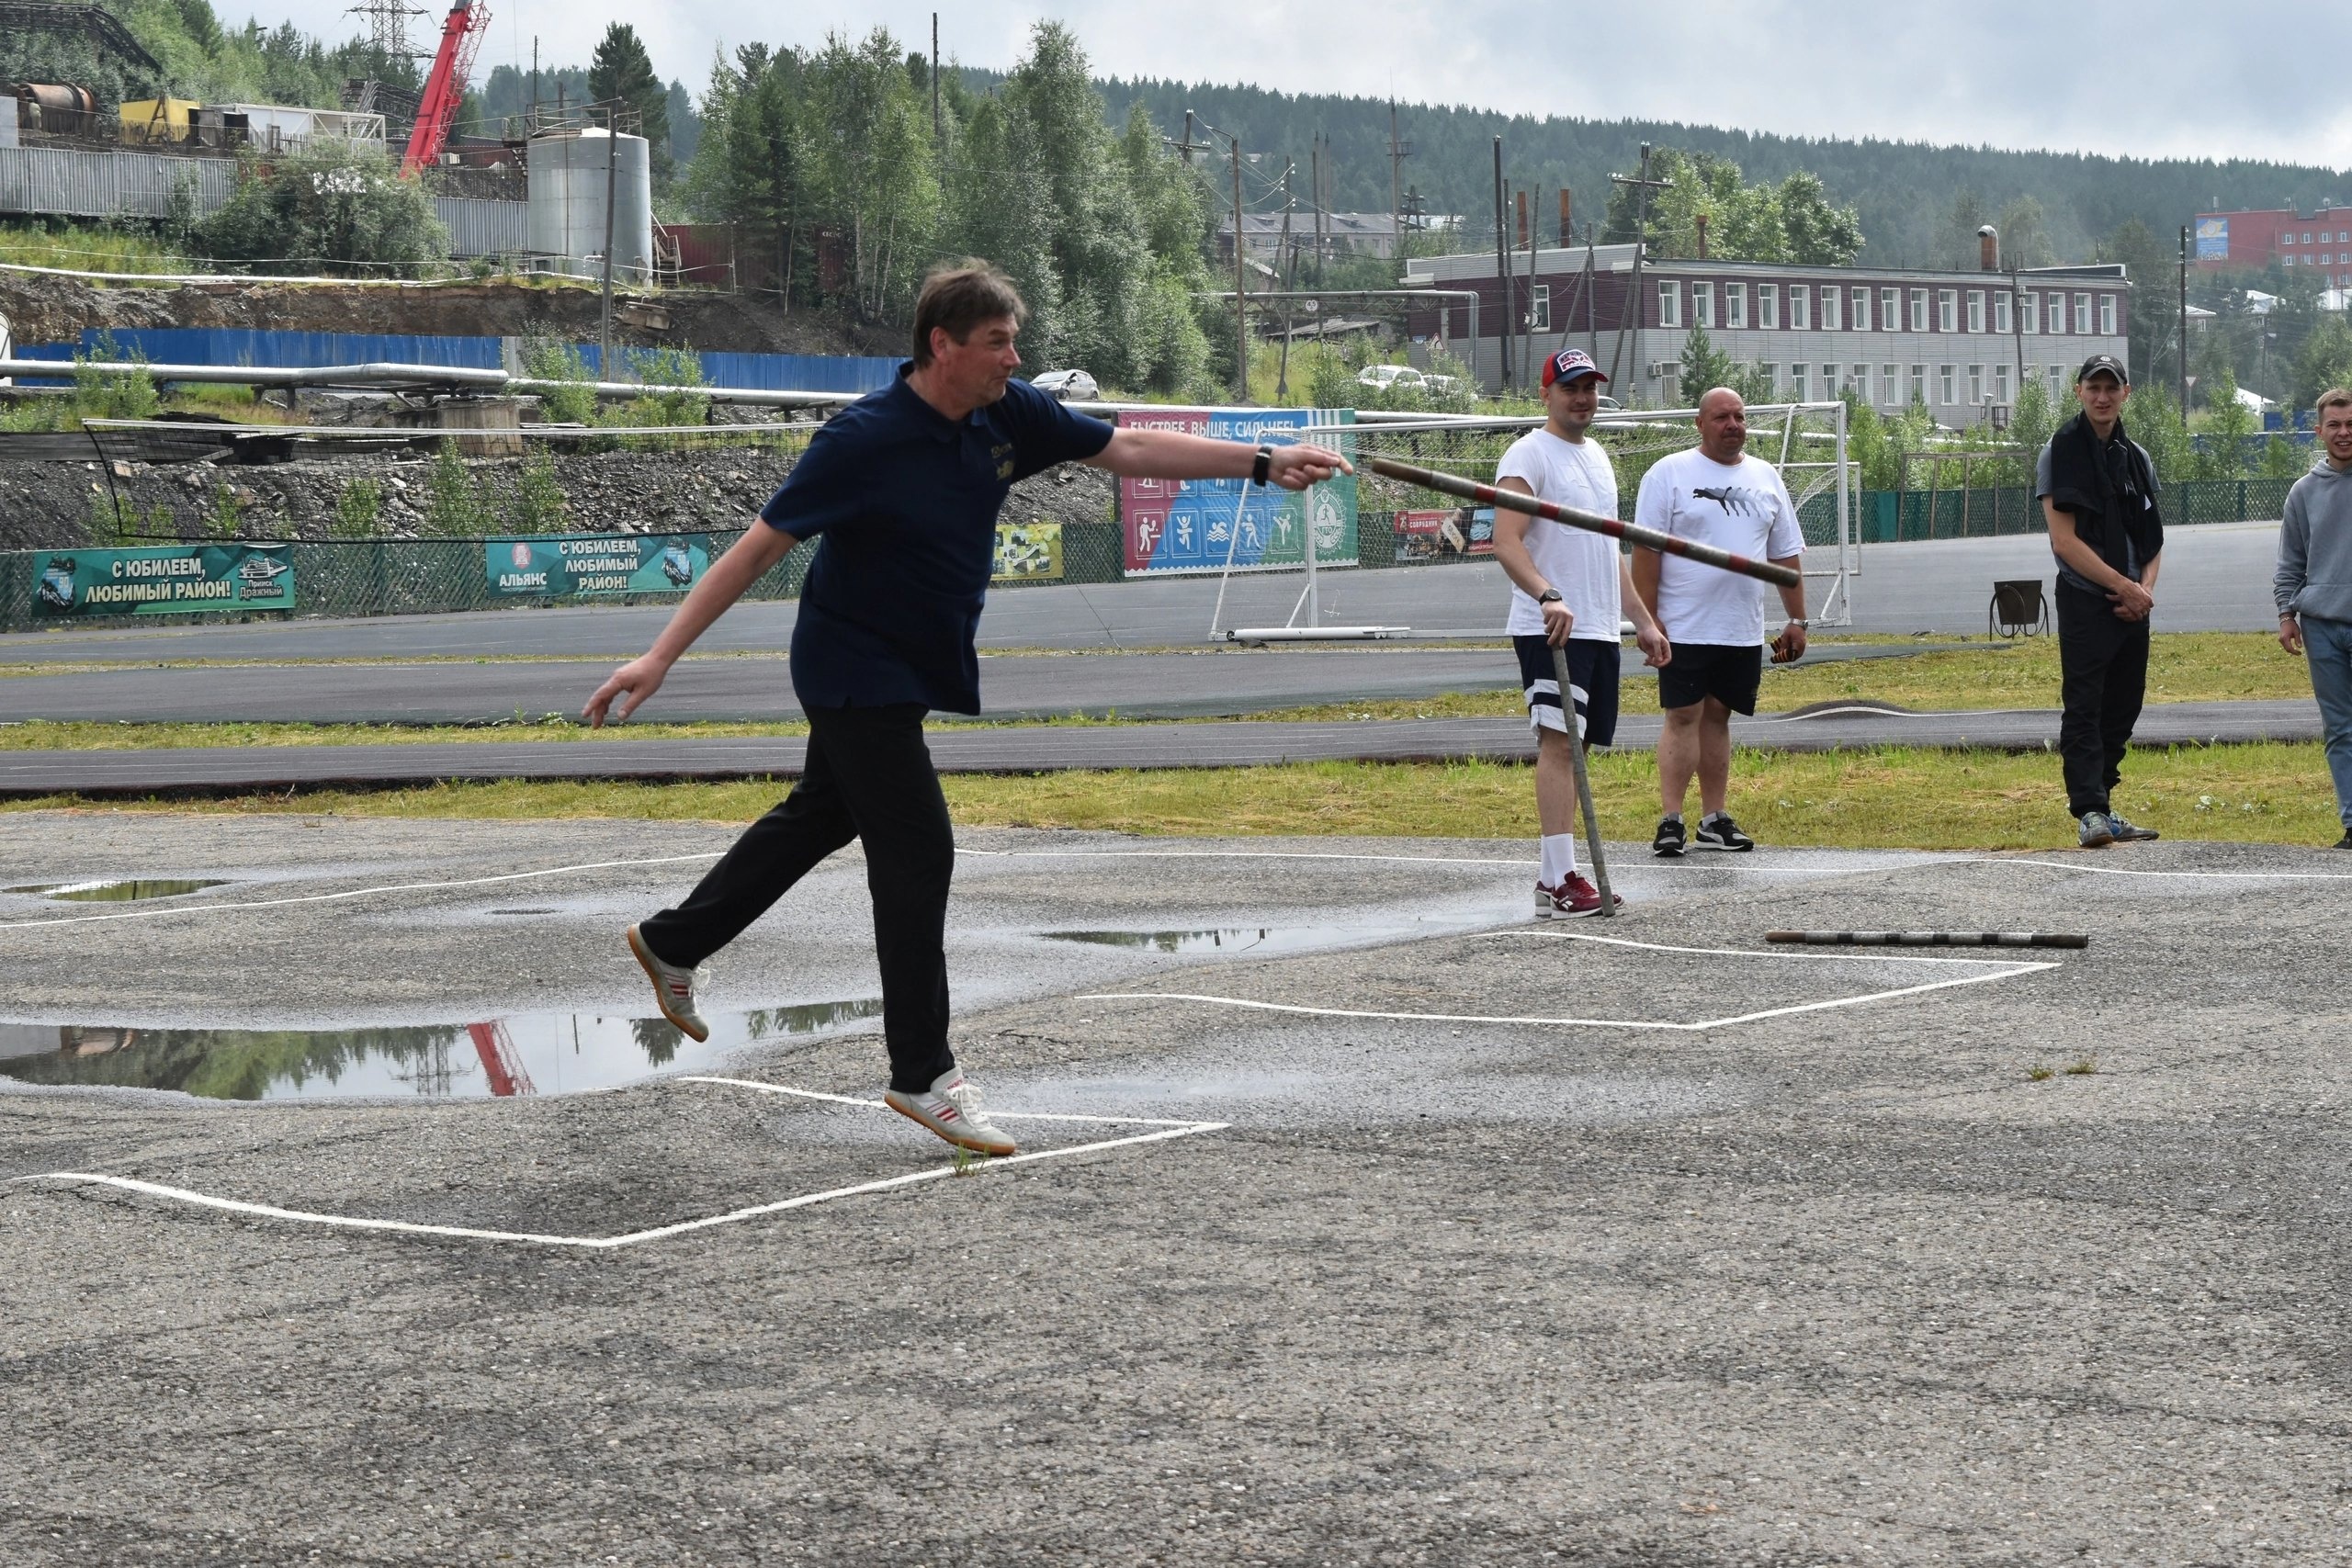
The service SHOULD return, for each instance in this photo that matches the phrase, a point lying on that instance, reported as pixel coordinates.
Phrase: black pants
(2104, 662)
(868, 777)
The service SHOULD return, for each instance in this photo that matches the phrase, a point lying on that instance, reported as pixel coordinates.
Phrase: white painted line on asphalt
(1741, 951)
(214, 908)
(2007, 970)
(1166, 1131)
(877, 1105)
(2210, 875)
(1239, 855)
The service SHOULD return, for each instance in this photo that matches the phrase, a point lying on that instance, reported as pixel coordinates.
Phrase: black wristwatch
(1262, 467)
(1549, 596)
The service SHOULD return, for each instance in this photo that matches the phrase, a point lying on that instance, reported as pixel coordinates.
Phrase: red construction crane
(501, 1063)
(445, 89)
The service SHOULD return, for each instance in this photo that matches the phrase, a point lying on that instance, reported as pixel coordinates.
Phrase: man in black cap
(2098, 495)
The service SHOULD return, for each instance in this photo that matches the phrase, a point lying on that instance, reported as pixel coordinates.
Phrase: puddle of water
(1245, 938)
(527, 1054)
(121, 891)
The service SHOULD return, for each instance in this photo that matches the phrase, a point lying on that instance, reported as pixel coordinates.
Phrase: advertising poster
(162, 580)
(554, 565)
(1201, 525)
(1028, 552)
(2212, 239)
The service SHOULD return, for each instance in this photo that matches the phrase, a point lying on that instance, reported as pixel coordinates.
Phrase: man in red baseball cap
(1569, 590)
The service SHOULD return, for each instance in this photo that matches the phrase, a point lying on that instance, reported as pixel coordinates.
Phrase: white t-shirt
(1742, 507)
(1581, 564)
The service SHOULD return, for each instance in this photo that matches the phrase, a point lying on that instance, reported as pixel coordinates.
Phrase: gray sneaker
(950, 1108)
(2099, 829)
(2129, 831)
(674, 990)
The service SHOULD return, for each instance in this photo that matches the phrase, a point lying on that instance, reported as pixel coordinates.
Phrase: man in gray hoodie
(2313, 587)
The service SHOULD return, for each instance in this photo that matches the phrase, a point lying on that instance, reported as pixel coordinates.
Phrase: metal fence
(1890, 516)
(63, 182)
(418, 577)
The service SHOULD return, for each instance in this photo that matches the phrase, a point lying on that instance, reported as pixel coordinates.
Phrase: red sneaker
(1572, 897)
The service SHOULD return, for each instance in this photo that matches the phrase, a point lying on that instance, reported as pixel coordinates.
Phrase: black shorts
(1728, 674)
(1592, 671)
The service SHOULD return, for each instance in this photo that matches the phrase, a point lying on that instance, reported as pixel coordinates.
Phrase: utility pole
(1643, 185)
(611, 191)
(2184, 325)
(1289, 260)
(1240, 290)
(936, 133)
(1502, 270)
(1315, 187)
(1185, 147)
(1528, 228)
(1397, 153)
(535, 83)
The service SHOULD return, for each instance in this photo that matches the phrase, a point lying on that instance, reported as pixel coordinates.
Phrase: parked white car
(1070, 385)
(1385, 375)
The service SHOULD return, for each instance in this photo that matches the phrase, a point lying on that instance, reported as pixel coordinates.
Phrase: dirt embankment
(53, 505)
(42, 309)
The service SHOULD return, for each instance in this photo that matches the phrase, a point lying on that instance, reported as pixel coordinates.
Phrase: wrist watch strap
(1263, 466)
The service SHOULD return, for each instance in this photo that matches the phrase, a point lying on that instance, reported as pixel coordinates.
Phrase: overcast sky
(2154, 78)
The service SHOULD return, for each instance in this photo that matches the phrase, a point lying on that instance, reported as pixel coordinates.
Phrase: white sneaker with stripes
(673, 990)
(950, 1108)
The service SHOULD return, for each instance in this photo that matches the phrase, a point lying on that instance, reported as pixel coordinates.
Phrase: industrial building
(2253, 240)
(1963, 343)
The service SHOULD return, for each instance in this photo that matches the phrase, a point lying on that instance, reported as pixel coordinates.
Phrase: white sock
(1559, 858)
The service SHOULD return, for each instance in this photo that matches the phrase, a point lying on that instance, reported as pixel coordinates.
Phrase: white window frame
(1947, 384)
(2082, 315)
(1828, 382)
(1976, 310)
(1669, 302)
(2001, 384)
(1539, 309)
(2057, 385)
(1860, 381)
(1799, 382)
(2030, 312)
(1703, 305)
(1947, 310)
(1768, 306)
(1920, 311)
(1830, 299)
(1735, 307)
(1919, 384)
(1890, 310)
(2002, 316)
(1860, 320)
(2107, 314)
(1975, 385)
(1800, 307)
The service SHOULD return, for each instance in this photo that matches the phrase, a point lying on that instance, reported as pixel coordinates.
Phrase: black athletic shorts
(1728, 674)
(1592, 671)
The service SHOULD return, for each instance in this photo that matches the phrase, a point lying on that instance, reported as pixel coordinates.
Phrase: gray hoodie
(2314, 575)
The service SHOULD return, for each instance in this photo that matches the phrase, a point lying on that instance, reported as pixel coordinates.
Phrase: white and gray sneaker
(673, 990)
(2098, 829)
(2129, 833)
(950, 1108)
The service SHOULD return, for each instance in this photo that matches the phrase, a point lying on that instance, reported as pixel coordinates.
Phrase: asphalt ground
(2216, 578)
(1016, 749)
(1501, 1243)
(1013, 686)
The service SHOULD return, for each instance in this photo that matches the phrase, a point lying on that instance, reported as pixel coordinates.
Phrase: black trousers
(868, 777)
(2104, 663)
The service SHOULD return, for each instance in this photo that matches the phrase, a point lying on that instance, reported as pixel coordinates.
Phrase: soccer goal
(1353, 582)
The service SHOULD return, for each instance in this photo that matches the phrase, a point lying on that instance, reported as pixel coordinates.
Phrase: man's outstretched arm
(760, 547)
(1172, 454)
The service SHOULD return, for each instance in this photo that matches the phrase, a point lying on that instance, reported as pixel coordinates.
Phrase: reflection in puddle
(1243, 938)
(527, 1053)
(120, 892)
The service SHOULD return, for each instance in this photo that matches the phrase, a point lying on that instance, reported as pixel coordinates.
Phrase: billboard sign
(2212, 239)
(169, 580)
(560, 564)
(1027, 552)
(1192, 525)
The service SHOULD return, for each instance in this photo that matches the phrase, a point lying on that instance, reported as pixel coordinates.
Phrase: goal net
(1359, 580)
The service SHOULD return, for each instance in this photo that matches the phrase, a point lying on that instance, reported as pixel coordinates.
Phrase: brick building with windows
(2254, 240)
(1959, 342)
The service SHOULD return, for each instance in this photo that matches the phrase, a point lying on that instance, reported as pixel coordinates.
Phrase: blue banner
(1193, 525)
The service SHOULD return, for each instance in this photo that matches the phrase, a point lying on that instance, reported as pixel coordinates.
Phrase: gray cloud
(2155, 79)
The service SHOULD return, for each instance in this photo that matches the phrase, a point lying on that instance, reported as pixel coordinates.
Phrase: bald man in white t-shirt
(1569, 591)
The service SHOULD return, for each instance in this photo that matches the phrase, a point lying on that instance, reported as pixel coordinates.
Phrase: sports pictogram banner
(1179, 525)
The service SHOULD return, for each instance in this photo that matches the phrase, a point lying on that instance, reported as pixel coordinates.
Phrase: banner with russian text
(165, 580)
(555, 565)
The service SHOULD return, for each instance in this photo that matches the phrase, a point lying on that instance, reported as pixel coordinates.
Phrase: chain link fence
(1891, 516)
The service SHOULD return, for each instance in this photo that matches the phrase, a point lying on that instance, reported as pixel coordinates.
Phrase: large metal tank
(571, 171)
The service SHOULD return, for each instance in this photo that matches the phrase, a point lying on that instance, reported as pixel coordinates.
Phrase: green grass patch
(1884, 799)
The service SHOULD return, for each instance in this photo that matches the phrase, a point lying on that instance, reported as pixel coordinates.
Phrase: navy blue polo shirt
(904, 501)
